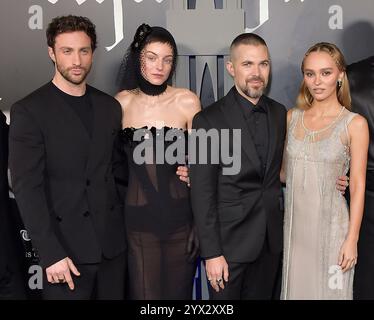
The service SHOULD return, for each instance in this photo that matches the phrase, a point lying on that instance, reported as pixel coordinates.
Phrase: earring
(339, 82)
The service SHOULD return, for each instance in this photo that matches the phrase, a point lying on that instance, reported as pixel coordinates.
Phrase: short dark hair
(248, 39)
(70, 23)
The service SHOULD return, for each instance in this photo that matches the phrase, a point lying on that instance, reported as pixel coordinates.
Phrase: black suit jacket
(233, 213)
(63, 180)
(361, 80)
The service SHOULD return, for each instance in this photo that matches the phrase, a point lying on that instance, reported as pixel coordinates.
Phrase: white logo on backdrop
(36, 20)
(25, 235)
(117, 16)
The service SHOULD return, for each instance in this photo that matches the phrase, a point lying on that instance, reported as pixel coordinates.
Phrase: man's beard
(251, 92)
(66, 74)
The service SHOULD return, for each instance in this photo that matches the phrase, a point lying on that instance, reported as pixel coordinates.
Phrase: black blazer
(361, 81)
(63, 180)
(233, 213)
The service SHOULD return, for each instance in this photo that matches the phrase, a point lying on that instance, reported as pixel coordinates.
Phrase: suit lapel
(235, 119)
(273, 134)
(92, 145)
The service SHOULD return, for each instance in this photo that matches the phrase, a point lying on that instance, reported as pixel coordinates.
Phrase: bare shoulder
(186, 100)
(289, 114)
(185, 96)
(357, 123)
(124, 97)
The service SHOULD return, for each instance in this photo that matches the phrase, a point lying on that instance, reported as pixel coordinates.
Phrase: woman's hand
(348, 255)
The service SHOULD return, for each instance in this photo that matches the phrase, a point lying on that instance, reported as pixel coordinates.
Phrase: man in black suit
(361, 80)
(62, 138)
(239, 217)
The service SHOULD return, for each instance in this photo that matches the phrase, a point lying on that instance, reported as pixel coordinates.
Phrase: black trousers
(101, 281)
(363, 285)
(257, 280)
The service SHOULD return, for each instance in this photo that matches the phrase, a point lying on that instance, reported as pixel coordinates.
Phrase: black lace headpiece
(130, 76)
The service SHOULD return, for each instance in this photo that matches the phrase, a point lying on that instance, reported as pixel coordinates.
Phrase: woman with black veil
(162, 251)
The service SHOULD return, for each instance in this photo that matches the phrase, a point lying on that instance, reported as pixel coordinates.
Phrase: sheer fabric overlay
(316, 216)
(158, 217)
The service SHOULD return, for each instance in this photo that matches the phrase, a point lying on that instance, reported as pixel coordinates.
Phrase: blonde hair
(304, 99)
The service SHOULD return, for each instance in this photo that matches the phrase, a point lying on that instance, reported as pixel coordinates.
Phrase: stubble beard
(251, 92)
(65, 73)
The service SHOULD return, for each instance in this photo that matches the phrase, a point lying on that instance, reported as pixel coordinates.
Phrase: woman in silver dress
(324, 141)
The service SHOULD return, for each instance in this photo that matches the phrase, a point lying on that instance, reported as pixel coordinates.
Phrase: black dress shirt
(257, 121)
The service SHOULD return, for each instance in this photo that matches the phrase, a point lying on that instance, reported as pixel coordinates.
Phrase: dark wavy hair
(70, 23)
(130, 67)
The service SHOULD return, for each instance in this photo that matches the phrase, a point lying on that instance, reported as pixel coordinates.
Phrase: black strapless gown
(158, 219)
